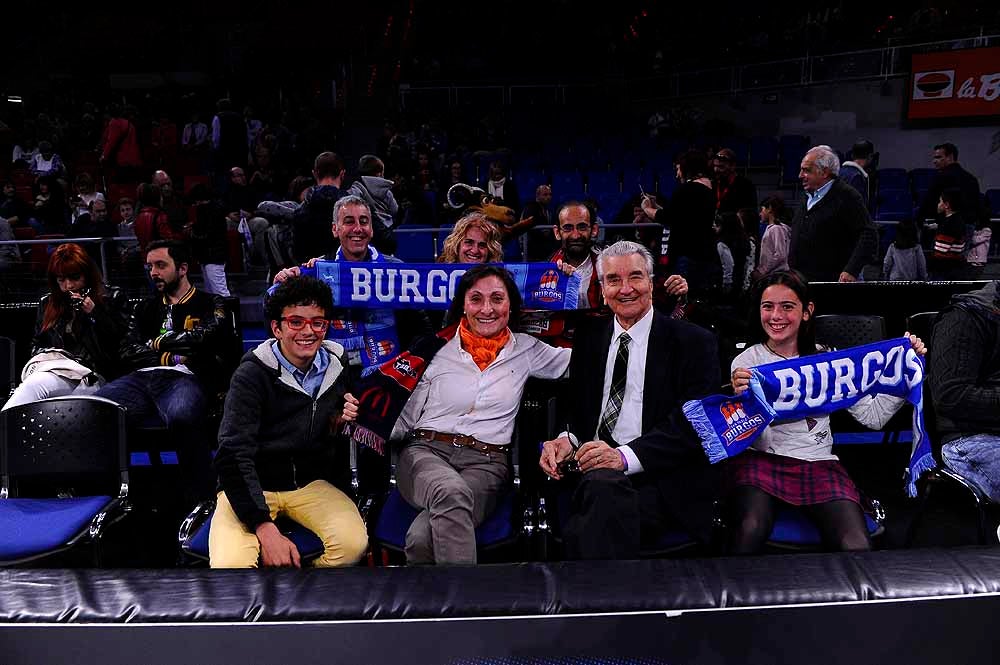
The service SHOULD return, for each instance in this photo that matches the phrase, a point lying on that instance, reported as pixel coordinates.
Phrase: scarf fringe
(713, 446)
(367, 438)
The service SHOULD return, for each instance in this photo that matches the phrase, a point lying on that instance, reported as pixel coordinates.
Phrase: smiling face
(474, 247)
(299, 346)
(354, 229)
(781, 316)
(575, 231)
(487, 307)
(627, 287)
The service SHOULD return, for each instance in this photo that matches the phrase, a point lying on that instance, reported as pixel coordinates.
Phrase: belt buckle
(455, 441)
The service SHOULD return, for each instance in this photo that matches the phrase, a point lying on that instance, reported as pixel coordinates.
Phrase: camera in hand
(570, 465)
(78, 301)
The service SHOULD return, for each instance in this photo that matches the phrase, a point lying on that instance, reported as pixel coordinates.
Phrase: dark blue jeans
(175, 400)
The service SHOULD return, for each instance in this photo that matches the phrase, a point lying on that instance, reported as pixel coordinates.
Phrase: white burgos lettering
(409, 290)
(843, 379)
(361, 282)
(388, 277)
(893, 372)
(788, 399)
(814, 400)
(915, 373)
(437, 293)
(871, 369)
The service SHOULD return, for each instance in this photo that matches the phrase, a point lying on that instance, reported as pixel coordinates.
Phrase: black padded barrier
(912, 607)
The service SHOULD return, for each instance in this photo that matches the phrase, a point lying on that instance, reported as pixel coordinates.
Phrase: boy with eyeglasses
(279, 451)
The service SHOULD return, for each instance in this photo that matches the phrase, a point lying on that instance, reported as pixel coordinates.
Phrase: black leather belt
(457, 440)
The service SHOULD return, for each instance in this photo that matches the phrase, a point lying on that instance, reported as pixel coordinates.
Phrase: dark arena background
(563, 101)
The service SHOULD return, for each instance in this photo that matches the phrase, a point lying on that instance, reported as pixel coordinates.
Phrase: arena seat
(8, 369)
(413, 246)
(763, 152)
(892, 179)
(894, 204)
(46, 449)
(993, 200)
(793, 148)
(194, 533)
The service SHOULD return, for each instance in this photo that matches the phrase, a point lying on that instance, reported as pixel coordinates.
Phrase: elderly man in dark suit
(642, 467)
(833, 236)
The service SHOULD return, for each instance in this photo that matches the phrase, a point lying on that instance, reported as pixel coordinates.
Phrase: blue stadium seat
(194, 533)
(414, 246)
(78, 440)
(921, 180)
(397, 516)
(894, 204)
(610, 204)
(602, 183)
(635, 181)
(793, 528)
(893, 179)
(993, 199)
(566, 185)
(763, 152)
(793, 148)
(527, 181)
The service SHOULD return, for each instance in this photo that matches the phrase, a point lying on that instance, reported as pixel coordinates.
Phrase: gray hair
(826, 159)
(350, 199)
(624, 248)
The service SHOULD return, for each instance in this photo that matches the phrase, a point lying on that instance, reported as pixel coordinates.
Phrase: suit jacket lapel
(599, 364)
(655, 378)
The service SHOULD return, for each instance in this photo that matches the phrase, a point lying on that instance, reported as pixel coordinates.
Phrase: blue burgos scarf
(380, 284)
(369, 291)
(815, 385)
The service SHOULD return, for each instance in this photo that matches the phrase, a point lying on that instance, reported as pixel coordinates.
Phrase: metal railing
(102, 242)
(868, 64)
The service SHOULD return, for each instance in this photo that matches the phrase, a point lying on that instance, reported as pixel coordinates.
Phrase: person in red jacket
(120, 146)
(152, 222)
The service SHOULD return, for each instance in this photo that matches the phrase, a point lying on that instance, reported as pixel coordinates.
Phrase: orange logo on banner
(955, 84)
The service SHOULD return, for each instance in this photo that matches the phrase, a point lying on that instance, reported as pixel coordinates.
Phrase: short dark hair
(950, 150)
(327, 165)
(301, 290)
(776, 204)
(298, 185)
(693, 164)
(863, 149)
(370, 165)
(177, 250)
(953, 197)
(473, 275)
(148, 194)
(796, 281)
(591, 210)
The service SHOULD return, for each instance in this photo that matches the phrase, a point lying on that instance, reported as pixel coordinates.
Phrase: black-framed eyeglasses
(299, 322)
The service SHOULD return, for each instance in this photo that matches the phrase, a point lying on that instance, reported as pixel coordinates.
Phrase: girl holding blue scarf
(792, 461)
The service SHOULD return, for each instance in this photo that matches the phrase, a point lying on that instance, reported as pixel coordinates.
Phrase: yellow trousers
(319, 507)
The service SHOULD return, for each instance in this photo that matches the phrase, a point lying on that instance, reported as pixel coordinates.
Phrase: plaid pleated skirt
(791, 480)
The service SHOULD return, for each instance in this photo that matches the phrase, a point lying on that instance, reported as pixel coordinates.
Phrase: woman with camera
(80, 324)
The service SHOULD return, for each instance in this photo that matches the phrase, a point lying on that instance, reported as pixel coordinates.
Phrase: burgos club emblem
(548, 290)
(739, 425)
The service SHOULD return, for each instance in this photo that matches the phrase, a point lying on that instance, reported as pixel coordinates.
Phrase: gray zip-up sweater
(274, 436)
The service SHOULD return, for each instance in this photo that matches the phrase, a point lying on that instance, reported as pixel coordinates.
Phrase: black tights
(841, 523)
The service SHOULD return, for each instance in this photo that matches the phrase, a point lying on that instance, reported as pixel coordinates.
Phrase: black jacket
(964, 372)
(312, 223)
(739, 194)
(92, 339)
(201, 331)
(274, 436)
(690, 215)
(954, 176)
(682, 363)
(836, 236)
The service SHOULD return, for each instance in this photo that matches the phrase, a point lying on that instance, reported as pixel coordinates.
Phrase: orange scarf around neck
(483, 350)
